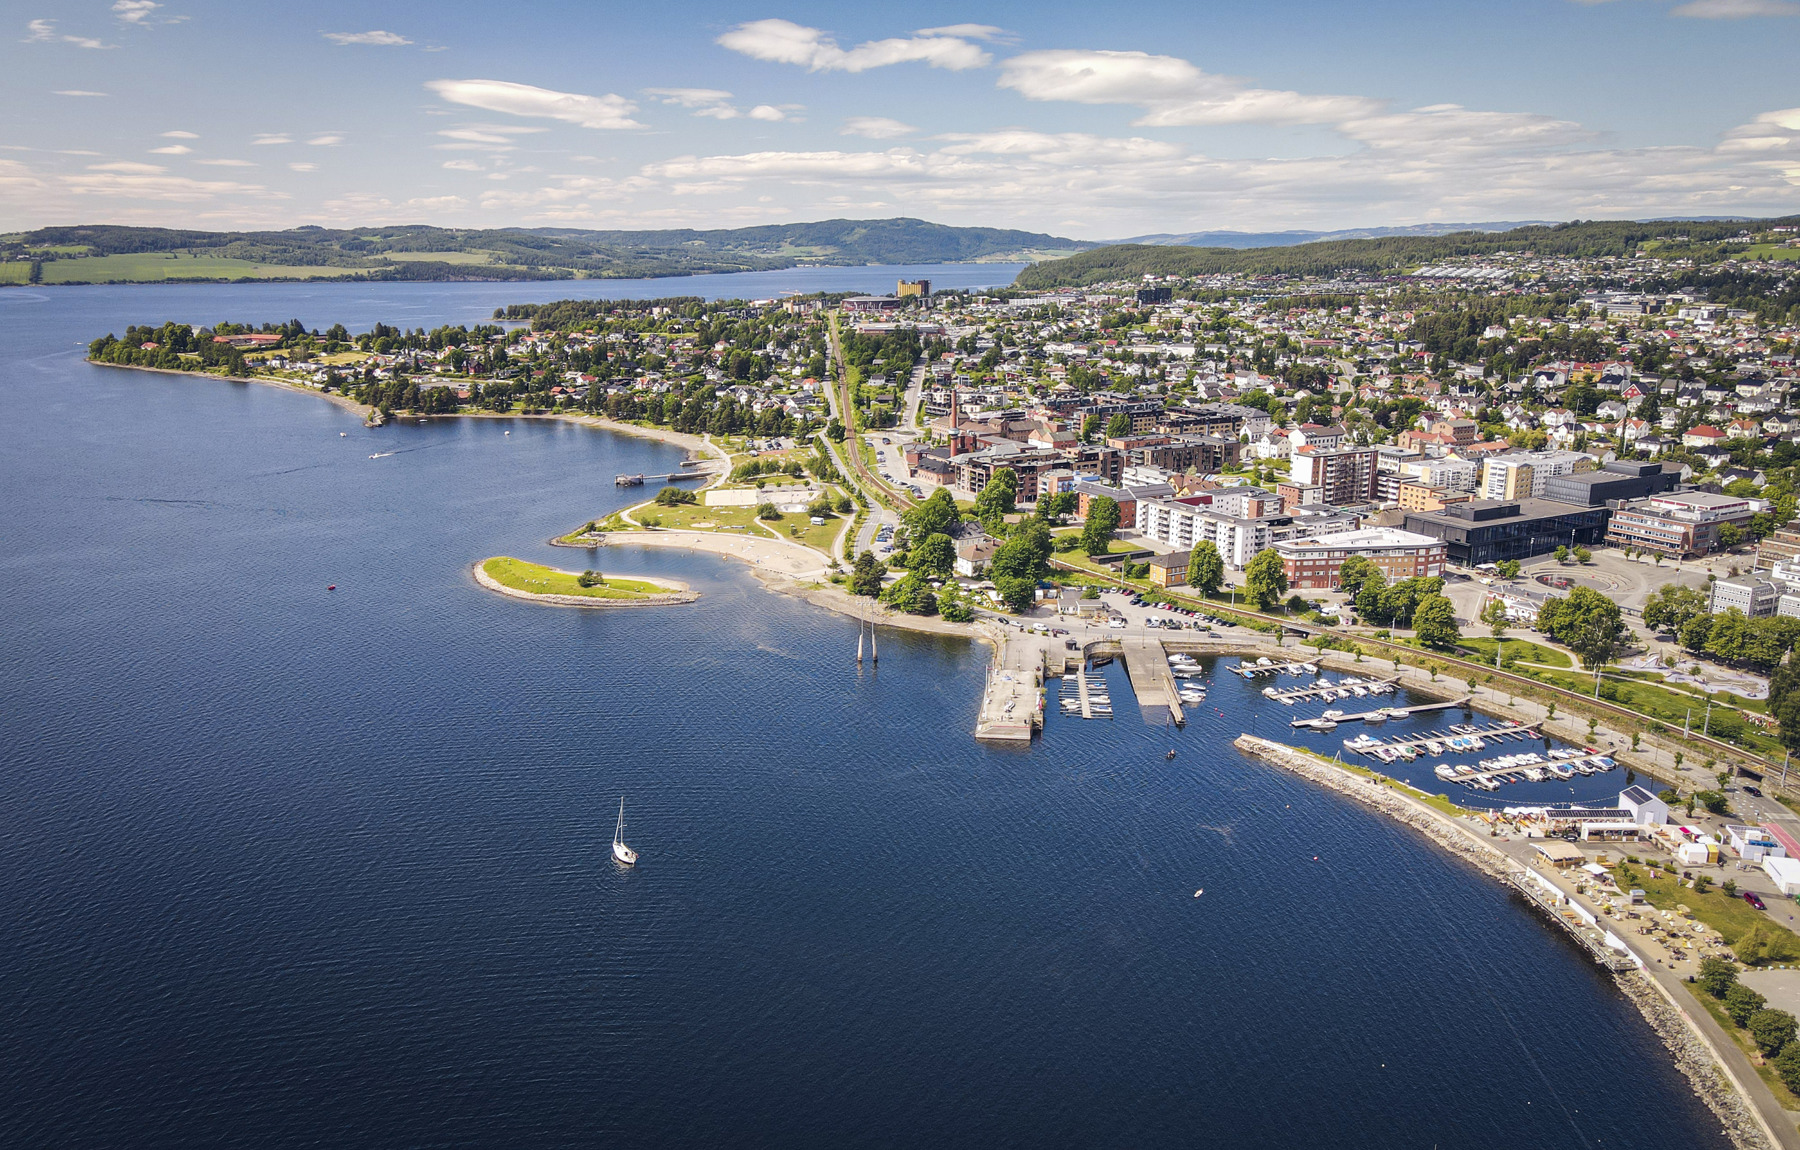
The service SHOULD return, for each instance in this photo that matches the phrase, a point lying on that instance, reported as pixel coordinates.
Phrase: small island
(540, 584)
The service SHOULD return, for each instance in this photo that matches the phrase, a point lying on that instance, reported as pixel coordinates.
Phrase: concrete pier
(1012, 704)
(1148, 665)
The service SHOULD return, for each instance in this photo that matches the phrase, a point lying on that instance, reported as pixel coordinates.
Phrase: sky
(1091, 121)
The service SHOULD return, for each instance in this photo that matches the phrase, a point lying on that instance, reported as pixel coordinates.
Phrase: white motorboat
(620, 851)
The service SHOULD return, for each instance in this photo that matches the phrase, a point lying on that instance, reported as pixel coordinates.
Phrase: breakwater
(1694, 1054)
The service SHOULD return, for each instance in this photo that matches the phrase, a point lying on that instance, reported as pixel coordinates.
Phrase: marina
(1330, 719)
(1327, 691)
(1267, 666)
(1461, 738)
(1490, 774)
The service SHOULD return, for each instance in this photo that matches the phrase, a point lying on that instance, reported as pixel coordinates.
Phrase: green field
(1769, 252)
(438, 257)
(151, 267)
(15, 272)
(1522, 649)
(537, 579)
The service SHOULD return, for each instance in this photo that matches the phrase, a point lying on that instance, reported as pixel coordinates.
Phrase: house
(1169, 570)
(973, 552)
(1705, 435)
(1645, 808)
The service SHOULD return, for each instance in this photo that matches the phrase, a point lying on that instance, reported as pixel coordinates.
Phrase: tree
(1102, 522)
(1583, 555)
(834, 431)
(1025, 555)
(1356, 571)
(1508, 568)
(674, 496)
(934, 558)
(911, 593)
(1434, 622)
(767, 511)
(1562, 554)
(1118, 426)
(1773, 1030)
(1730, 535)
(1717, 975)
(937, 515)
(1587, 623)
(1493, 613)
(1206, 568)
(1265, 579)
(590, 579)
(865, 577)
(1669, 609)
(952, 605)
(999, 497)
(1089, 427)
(1018, 594)
(1787, 1065)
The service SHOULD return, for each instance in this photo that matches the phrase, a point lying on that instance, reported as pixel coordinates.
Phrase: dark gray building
(1623, 479)
(1491, 530)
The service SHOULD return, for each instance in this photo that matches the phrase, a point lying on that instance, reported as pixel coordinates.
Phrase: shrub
(1766, 942)
(674, 496)
(1787, 1065)
(767, 511)
(589, 579)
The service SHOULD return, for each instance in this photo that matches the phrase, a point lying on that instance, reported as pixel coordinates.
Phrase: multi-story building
(1523, 474)
(1679, 523)
(1313, 564)
(1412, 495)
(1179, 453)
(1183, 523)
(1347, 474)
(1781, 547)
(1491, 531)
(1751, 596)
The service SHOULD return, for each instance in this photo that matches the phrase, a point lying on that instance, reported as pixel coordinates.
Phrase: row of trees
(1730, 635)
(1773, 1031)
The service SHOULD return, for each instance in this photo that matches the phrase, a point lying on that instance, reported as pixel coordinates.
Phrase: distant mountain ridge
(1394, 253)
(102, 253)
(1231, 239)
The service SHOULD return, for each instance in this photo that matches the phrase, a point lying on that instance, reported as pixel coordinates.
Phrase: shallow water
(289, 867)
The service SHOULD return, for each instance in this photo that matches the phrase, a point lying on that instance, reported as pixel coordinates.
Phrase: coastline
(1695, 1054)
(694, 444)
(678, 593)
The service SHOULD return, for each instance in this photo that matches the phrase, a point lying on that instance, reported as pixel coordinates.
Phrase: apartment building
(1347, 475)
(1313, 564)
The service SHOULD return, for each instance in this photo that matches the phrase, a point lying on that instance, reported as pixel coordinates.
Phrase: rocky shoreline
(1693, 1054)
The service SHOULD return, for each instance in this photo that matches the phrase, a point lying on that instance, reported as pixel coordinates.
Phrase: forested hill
(1391, 254)
(108, 254)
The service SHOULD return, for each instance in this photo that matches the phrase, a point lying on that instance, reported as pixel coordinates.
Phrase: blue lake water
(287, 867)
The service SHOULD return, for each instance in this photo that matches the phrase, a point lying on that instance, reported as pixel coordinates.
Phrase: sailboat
(620, 851)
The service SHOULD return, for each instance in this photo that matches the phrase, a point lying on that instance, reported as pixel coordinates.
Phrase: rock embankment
(1693, 1054)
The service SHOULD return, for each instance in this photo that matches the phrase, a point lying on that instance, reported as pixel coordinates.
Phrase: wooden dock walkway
(1148, 665)
(1329, 691)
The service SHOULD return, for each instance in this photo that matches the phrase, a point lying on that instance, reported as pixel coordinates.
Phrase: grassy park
(536, 579)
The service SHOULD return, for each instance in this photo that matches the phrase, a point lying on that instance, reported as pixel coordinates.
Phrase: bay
(287, 867)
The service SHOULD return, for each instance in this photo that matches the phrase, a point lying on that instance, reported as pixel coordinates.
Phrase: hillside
(1229, 239)
(107, 254)
(1387, 254)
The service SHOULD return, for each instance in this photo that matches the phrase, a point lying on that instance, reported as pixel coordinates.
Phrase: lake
(288, 867)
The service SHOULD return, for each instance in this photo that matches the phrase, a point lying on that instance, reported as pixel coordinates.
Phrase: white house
(1646, 809)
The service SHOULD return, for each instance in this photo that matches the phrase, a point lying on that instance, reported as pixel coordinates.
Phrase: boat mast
(620, 829)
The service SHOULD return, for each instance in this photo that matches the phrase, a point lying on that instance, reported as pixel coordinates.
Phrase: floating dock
(640, 480)
(1328, 691)
(1269, 667)
(1460, 739)
(1381, 715)
(1490, 774)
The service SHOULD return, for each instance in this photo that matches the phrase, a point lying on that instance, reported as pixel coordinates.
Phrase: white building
(1180, 525)
(1646, 809)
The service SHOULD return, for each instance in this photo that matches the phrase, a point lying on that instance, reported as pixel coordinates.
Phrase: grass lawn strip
(536, 579)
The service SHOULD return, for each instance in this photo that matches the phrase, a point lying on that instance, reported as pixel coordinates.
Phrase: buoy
(341, 434)
(333, 587)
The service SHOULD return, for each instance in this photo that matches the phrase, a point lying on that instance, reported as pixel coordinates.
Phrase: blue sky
(1094, 121)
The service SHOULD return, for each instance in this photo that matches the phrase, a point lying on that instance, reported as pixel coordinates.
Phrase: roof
(1557, 851)
(1636, 796)
(1365, 537)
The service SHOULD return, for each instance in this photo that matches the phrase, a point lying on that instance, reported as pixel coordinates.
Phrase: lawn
(1728, 914)
(1522, 649)
(694, 517)
(540, 580)
(1769, 252)
(438, 257)
(801, 529)
(151, 267)
(15, 272)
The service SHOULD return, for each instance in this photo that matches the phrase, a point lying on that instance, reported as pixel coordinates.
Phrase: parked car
(1753, 791)
(1754, 899)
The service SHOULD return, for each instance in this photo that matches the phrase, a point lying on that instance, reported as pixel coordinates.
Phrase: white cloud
(1171, 91)
(327, 141)
(127, 166)
(75, 92)
(715, 104)
(376, 38)
(171, 150)
(135, 11)
(300, 167)
(784, 42)
(767, 112)
(163, 188)
(875, 128)
(180, 135)
(44, 32)
(1736, 9)
(272, 138)
(964, 31)
(462, 166)
(603, 112)
(690, 97)
(226, 163)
